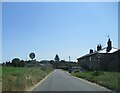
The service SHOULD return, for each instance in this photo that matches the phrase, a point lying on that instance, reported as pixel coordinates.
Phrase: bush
(96, 73)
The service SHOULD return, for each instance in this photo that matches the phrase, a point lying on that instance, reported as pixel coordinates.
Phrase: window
(90, 58)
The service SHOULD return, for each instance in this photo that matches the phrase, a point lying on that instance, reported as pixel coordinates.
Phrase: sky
(50, 28)
(60, 0)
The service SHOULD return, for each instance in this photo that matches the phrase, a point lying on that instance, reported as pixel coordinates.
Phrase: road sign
(32, 55)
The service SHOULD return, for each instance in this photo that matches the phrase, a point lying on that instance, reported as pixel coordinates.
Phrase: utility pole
(69, 58)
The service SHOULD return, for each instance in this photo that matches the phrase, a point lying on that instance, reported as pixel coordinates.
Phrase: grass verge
(0, 78)
(110, 80)
(21, 78)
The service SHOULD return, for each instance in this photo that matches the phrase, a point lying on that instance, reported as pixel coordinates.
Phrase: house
(102, 59)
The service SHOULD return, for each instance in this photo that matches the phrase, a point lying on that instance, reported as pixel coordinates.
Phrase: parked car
(76, 69)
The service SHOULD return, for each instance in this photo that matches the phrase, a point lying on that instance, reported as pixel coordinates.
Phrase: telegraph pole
(69, 58)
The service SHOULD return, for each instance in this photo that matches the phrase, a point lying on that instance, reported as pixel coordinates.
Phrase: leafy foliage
(57, 59)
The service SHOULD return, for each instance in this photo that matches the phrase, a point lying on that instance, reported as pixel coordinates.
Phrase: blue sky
(47, 29)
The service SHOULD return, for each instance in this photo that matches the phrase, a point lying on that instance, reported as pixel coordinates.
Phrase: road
(60, 80)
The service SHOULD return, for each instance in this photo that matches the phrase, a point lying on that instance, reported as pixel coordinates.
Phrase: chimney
(99, 47)
(91, 51)
(109, 45)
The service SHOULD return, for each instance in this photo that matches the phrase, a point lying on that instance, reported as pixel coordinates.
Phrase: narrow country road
(60, 80)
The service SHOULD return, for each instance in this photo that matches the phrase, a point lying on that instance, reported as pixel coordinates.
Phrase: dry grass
(21, 78)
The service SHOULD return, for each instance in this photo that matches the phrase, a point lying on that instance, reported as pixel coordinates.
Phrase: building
(103, 59)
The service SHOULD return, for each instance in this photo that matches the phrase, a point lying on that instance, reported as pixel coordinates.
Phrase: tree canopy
(57, 59)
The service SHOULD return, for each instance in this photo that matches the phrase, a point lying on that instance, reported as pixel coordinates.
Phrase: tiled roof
(104, 50)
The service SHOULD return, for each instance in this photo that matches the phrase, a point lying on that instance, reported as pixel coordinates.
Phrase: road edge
(89, 82)
(32, 88)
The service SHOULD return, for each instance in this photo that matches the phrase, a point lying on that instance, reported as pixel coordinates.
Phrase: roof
(111, 51)
(102, 51)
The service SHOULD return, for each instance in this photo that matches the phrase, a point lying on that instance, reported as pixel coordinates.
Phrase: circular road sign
(32, 55)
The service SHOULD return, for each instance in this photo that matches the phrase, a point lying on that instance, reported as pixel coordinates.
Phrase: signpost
(32, 55)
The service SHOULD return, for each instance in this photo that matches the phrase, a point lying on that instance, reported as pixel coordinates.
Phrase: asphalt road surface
(60, 80)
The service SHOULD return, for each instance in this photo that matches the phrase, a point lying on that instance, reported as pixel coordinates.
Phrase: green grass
(0, 78)
(21, 78)
(107, 79)
(0, 73)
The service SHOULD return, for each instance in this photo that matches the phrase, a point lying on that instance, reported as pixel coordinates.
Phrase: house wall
(106, 62)
(110, 62)
(88, 62)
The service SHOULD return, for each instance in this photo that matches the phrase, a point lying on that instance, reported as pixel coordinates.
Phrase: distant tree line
(56, 63)
(16, 62)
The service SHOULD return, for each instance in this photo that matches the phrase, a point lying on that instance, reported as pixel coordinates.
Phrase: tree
(22, 63)
(3, 64)
(57, 59)
(63, 61)
(51, 62)
(15, 62)
(8, 63)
